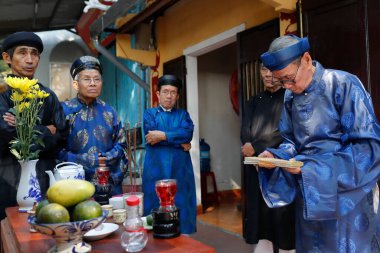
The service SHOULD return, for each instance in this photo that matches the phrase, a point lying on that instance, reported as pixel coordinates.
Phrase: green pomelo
(69, 192)
(86, 210)
(53, 213)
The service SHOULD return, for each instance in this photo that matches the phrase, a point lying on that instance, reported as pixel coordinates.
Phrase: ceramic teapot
(66, 170)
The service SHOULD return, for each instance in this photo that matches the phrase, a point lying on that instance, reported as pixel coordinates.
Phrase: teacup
(119, 215)
(109, 209)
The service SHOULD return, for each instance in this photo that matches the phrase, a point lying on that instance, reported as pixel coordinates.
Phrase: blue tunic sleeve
(177, 125)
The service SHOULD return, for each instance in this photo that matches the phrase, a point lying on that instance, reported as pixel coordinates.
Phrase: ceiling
(38, 15)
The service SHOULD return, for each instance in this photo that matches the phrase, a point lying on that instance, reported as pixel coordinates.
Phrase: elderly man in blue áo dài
(96, 135)
(328, 122)
(168, 132)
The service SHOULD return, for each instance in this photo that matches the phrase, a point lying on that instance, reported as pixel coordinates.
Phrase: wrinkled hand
(293, 170)
(52, 129)
(154, 137)
(10, 119)
(247, 150)
(186, 146)
(102, 160)
(266, 154)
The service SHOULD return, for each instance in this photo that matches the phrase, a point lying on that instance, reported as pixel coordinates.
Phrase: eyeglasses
(281, 82)
(171, 92)
(86, 80)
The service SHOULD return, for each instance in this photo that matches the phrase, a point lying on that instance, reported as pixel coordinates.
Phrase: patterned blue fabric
(332, 128)
(167, 159)
(95, 129)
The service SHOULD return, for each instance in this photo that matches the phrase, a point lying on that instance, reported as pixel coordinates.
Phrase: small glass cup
(166, 190)
(109, 209)
(119, 215)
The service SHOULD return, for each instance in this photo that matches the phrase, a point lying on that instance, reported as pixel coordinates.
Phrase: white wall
(219, 125)
(51, 39)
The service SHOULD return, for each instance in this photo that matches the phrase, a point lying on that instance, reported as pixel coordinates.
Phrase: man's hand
(10, 119)
(52, 129)
(154, 137)
(266, 154)
(293, 170)
(186, 146)
(247, 150)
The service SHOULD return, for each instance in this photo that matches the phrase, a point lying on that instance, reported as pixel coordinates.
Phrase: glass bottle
(102, 186)
(135, 237)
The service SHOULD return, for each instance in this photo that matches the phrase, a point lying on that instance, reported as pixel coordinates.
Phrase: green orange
(86, 210)
(53, 213)
(41, 204)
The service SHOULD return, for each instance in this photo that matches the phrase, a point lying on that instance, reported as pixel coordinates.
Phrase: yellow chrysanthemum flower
(17, 96)
(24, 105)
(21, 84)
(31, 95)
(28, 100)
(42, 94)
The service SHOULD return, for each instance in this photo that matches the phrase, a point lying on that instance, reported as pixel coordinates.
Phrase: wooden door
(344, 35)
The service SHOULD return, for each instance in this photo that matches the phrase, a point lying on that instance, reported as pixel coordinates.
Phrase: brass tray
(272, 162)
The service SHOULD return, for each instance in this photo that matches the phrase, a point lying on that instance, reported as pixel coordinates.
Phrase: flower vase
(28, 190)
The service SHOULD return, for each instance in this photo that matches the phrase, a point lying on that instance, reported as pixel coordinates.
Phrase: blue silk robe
(95, 129)
(332, 128)
(167, 159)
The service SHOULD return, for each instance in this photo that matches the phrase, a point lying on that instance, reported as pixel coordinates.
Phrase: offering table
(16, 237)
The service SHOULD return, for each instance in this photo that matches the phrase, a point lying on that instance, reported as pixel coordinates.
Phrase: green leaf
(40, 142)
(16, 154)
(12, 110)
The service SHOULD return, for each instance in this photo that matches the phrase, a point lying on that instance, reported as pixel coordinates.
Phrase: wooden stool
(208, 190)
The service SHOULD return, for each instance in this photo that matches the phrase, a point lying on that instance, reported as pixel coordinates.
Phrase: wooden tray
(272, 162)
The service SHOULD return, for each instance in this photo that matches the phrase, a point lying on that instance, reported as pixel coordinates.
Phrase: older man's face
(24, 61)
(88, 85)
(167, 96)
(267, 77)
(295, 76)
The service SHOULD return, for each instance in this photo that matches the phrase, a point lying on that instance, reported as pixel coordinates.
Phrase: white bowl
(101, 232)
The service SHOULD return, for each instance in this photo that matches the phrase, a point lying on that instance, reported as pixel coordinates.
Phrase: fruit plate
(146, 226)
(272, 162)
(100, 232)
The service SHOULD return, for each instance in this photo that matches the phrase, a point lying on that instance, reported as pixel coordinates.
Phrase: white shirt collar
(166, 110)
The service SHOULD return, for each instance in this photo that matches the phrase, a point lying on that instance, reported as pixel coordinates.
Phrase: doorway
(209, 66)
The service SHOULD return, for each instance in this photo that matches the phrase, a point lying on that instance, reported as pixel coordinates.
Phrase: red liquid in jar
(103, 175)
(166, 193)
